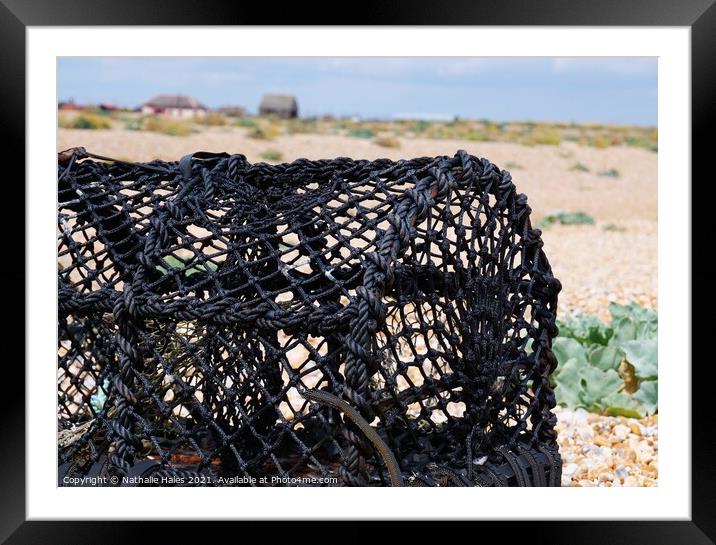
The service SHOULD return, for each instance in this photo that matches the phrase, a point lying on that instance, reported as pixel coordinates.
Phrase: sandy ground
(595, 265)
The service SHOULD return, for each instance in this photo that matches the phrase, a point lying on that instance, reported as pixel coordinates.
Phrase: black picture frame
(16, 15)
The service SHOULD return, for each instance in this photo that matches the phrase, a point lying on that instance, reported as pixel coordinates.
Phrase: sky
(619, 90)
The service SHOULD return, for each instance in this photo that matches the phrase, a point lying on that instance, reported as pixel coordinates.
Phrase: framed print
(293, 264)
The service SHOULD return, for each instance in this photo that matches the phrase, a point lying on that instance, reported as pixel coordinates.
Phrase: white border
(671, 499)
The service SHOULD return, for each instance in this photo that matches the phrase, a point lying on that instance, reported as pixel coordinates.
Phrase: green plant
(511, 165)
(85, 121)
(302, 126)
(388, 142)
(645, 143)
(133, 123)
(600, 142)
(420, 126)
(178, 265)
(476, 136)
(245, 122)
(361, 133)
(99, 398)
(610, 369)
(271, 155)
(267, 131)
(165, 126)
(212, 119)
(579, 167)
(611, 173)
(565, 218)
(614, 227)
(544, 136)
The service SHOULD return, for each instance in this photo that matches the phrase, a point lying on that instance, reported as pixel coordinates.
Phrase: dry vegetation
(384, 133)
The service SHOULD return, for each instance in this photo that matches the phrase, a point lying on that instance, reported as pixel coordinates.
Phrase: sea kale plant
(609, 369)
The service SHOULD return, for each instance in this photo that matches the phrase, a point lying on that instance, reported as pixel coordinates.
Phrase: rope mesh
(311, 320)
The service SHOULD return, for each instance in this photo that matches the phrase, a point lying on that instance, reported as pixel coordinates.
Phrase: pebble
(607, 451)
(621, 432)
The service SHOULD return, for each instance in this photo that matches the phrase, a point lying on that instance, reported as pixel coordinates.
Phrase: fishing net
(334, 322)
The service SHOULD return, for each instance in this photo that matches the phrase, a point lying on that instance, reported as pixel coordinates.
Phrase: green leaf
(643, 355)
(621, 411)
(565, 330)
(587, 330)
(605, 357)
(174, 262)
(648, 395)
(566, 349)
(624, 330)
(568, 384)
(646, 329)
(620, 311)
(99, 398)
(206, 267)
(622, 404)
(598, 385)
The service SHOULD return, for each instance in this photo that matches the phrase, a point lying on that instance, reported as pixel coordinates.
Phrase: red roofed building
(179, 106)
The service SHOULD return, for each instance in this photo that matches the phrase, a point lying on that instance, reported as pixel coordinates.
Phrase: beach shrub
(645, 143)
(609, 369)
(543, 136)
(614, 227)
(477, 136)
(600, 142)
(611, 173)
(565, 218)
(165, 125)
(212, 119)
(388, 142)
(265, 131)
(579, 167)
(420, 126)
(271, 155)
(246, 122)
(85, 121)
(361, 132)
(302, 126)
(133, 123)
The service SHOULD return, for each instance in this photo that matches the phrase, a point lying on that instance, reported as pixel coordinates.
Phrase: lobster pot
(335, 322)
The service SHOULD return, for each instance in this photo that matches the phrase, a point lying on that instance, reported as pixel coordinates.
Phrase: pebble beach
(614, 259)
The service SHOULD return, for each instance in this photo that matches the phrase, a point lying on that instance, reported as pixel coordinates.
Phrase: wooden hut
(279, 105)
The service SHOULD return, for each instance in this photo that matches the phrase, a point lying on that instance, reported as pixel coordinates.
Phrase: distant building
(279, 105)
(179, 106)
(68, 106)
(232, 111)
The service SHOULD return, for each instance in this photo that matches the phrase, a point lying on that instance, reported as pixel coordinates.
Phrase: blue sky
(619, 90)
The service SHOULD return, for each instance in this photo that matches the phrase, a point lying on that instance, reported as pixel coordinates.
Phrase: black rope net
(317, 322)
